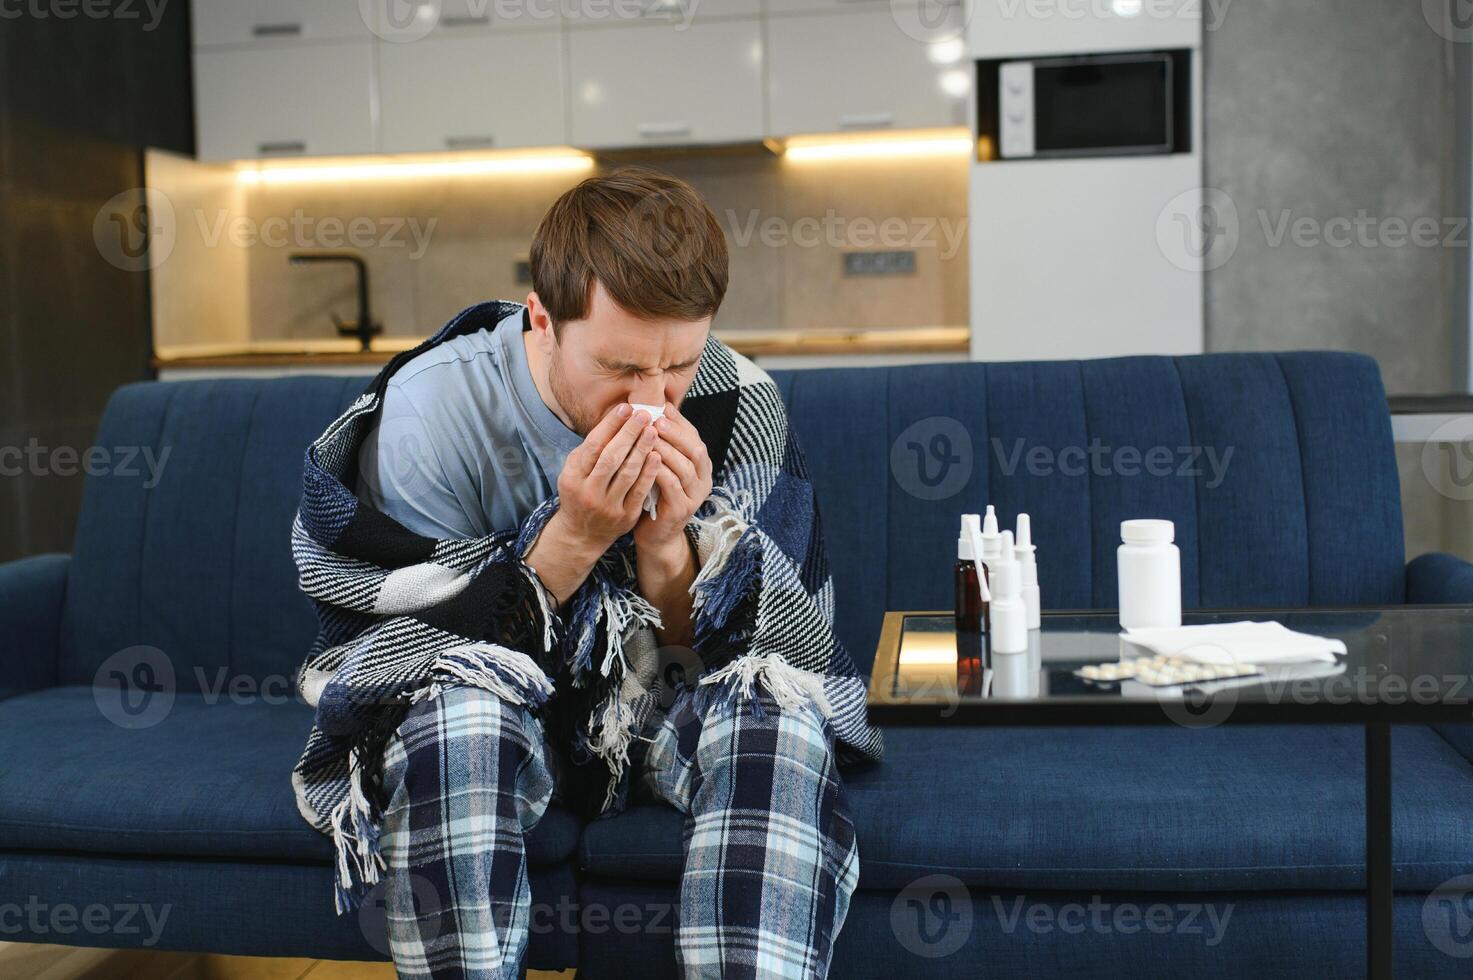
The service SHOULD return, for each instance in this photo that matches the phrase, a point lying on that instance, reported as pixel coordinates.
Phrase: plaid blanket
(402, 615)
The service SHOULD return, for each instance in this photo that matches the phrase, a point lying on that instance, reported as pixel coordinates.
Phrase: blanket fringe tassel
(355, 836)
(510, 674)
(738, 680)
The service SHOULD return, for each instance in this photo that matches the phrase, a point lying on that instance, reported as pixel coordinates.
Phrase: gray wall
(1327, 109)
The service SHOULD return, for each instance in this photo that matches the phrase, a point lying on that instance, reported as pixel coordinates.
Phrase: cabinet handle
(469, 142)
(655, 130)
(466, 20)
(281, 147)
(276, 30)
(866, 120)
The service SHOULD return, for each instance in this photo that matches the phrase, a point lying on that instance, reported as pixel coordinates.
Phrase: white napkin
(1243, 643)
(656, 412)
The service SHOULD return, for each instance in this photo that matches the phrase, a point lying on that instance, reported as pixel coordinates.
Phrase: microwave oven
(1108, 104)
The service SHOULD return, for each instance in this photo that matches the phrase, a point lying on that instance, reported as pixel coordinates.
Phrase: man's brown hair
(648, 237)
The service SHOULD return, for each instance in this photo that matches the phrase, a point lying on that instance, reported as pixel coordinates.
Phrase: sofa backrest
(1301, 507)
(1278, 470)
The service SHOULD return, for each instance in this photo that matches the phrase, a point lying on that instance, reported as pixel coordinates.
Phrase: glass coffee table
(1404, 665)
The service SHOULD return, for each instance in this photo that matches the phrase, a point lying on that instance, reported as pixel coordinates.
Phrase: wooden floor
(23, 961)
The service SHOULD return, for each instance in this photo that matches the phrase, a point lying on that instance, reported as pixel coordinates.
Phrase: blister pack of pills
(1163, 671)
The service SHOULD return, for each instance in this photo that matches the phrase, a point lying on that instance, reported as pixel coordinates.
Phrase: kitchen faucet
(363, 328)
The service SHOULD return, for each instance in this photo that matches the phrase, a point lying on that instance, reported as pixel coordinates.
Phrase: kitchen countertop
(753, 343)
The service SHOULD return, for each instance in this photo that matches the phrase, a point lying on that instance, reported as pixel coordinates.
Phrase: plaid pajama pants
(770, 855)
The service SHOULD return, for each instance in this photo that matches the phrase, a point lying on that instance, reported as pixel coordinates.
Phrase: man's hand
(601, 489)
(665, 564)
(604, 481)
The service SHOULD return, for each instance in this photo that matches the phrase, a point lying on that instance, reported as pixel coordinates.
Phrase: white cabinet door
(297, 100)
(246, 21)
(831, 72)
(473, 92)
(655, 85)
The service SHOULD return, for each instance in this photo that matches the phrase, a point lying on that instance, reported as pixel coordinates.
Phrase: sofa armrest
(31, 592)
(1439, 578)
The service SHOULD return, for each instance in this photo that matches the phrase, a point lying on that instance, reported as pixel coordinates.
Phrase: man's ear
(541, 321)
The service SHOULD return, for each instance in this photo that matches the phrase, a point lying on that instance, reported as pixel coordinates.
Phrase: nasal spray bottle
(1009, 628)
(991, 541)
(1026, 554)
(972, 599)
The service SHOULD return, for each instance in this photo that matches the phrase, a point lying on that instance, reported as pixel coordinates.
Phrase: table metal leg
(1378, 851)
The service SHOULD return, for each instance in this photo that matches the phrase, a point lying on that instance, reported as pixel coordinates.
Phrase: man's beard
(580, 415)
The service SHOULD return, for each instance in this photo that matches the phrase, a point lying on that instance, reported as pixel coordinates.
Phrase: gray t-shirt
(465, 445)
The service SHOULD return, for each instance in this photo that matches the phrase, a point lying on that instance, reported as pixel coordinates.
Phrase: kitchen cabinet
(292, 100)
(656, 85)
(473, 91)
(858, 70)
(325, 77)
(222, 22)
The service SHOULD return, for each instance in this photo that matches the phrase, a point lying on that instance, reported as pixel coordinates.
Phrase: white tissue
(656, 412)
(1243, 643)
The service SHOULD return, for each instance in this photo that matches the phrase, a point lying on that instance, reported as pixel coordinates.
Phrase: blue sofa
(179, 800)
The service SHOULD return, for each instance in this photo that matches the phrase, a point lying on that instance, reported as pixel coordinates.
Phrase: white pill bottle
(1149, 567)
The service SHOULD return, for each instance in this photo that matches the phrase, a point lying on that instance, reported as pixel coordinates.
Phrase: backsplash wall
(436, 246)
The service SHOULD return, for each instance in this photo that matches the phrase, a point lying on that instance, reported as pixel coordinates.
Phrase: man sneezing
(507, 537)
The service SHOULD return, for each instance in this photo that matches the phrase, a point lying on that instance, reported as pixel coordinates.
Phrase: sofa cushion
(1120, 808)
(208, 780)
